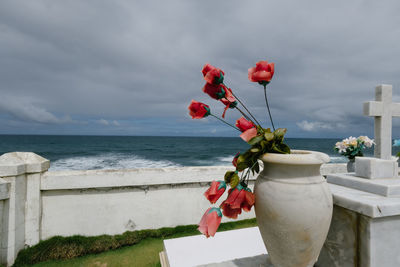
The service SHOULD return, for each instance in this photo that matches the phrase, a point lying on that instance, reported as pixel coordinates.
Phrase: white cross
(383, 110)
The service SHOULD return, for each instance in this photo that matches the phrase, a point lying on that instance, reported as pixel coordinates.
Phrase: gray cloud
(132, 62)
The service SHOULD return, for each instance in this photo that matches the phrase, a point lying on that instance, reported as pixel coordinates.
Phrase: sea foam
(109, 161)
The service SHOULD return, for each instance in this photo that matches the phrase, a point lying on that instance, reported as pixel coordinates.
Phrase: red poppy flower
(231, 207)
(248, 200)
(244, 124)
(198, 110)
(212, 74)
(262, 72)
(249, 134)
(216, 91)
(210, 222)
(215, 191)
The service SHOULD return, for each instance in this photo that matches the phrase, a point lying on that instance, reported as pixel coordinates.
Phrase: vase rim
(297, 157)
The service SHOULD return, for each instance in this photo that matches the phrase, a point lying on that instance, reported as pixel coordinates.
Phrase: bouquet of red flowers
(262, 140)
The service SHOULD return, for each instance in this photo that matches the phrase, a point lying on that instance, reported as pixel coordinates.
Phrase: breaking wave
(109, 161)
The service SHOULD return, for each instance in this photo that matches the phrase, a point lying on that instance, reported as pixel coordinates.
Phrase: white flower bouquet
(352, 147)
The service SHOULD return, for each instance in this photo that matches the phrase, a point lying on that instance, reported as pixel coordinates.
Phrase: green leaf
(280, 133)
(255, 140)
(254, 149)
(269, 136)
(285, 148)
(241, 166)
(234, 180)
(228, 176)
(281, 148)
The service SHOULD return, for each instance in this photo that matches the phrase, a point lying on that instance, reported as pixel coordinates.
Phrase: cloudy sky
(132, 67)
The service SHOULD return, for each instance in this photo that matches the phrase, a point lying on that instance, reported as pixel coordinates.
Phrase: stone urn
(293, 207)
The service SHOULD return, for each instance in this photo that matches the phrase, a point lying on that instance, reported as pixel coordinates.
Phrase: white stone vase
(293, 207)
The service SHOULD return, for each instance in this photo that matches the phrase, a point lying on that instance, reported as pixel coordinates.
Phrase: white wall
(112, 202)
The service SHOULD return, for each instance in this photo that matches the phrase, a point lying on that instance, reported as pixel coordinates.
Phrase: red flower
(248, 200)
(216, 91)
(244, 124)
(198, 110)
(235, 159)
(262, 72)
(212, 74)
(210, 222)
(231, 207)
(249, 134)
(215, 191)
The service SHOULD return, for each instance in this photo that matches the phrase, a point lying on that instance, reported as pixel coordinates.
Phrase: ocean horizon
(88, 152)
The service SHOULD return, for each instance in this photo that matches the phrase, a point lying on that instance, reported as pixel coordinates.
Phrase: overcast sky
(132, 67)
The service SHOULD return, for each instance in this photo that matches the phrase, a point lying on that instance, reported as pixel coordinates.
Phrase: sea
(131, 152)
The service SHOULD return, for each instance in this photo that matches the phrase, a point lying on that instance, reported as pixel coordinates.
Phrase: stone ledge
(388, 187)
(88, 179)
(366, 203)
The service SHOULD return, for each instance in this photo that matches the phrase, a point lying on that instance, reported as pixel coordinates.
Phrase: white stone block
(373, 168)
(224, 246)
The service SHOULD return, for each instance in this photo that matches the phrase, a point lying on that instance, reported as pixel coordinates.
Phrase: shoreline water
(128, 152)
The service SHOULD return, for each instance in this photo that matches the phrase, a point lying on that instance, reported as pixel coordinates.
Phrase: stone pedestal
(365, 228)
(21, 217)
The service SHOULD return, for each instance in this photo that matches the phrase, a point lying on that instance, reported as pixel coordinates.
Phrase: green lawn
(143, 253)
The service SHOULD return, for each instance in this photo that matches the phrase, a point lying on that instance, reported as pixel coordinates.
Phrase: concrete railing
(36, 204)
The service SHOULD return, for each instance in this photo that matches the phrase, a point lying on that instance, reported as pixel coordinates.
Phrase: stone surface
(255, 261)
(11, 165)
(15, 222)
(112, 202)
(383, 110)
(32, 210)
(389, 187)
(374, 168)
(365, 230)
(223, 247)
(4, 189)
(16, 163)
(339, 249)
(365, 203)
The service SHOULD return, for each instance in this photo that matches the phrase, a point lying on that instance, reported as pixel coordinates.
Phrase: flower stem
(266, 101)
(244, 114)
(241, 103)
(225, 122)
(247, 175)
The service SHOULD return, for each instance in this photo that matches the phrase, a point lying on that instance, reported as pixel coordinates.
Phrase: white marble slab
(223, 247)
(366, 203)
(388, 187)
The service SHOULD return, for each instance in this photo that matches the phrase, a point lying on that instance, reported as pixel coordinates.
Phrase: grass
(137, 248)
